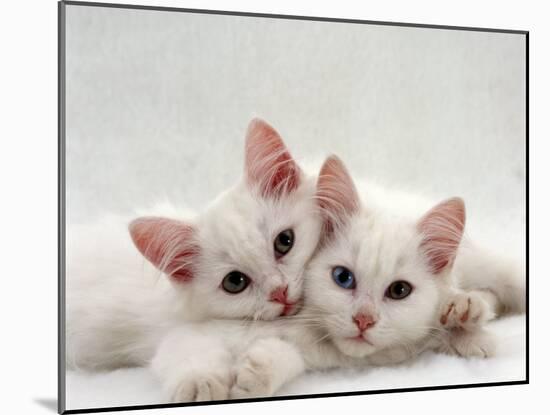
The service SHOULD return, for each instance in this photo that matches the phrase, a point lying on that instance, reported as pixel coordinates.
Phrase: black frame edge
(527, 206)
(293, 397)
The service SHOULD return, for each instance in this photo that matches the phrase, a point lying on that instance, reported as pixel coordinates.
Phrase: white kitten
(243, 257)
(383, 280)
(379, 290)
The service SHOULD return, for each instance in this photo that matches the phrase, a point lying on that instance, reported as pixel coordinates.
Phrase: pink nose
(279, 294)
(364, 321)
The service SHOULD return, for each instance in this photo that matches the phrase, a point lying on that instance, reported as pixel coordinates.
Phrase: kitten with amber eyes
(381, 288)
(242, 258)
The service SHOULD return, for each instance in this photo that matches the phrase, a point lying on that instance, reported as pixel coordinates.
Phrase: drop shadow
(48, 403)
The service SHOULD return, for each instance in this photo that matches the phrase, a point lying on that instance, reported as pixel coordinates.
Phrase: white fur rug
(137, 386)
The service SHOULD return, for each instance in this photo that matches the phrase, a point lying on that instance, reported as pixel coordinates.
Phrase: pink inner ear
(336, 194)
(442, 228)
(168, 244)
(268, 162)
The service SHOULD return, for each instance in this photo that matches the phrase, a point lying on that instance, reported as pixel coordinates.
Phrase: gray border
(291, 17)
(61, 398)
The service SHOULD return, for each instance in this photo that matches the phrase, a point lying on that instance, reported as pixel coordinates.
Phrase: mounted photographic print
(259, 207)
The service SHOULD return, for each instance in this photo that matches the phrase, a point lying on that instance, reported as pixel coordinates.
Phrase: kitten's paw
(465, 310)
(201, 387)
(254, 375)
(479, 343)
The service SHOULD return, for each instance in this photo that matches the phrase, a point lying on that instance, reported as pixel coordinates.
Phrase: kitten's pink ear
(442, 228)
(268, 163)
(336, 194)
(168, 244)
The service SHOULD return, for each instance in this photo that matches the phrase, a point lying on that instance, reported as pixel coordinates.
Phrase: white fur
(237, 233)
(121, 311)
(116, 302)
(380, 244)
(119, 306)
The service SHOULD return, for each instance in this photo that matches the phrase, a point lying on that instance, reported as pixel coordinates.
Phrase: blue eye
(343, 277)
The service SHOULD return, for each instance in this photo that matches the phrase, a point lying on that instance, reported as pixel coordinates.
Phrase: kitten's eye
(343, 277)
(398, 290)
(283, 243)
(235, 282)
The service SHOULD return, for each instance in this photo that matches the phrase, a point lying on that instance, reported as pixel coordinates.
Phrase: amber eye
(235, 282)
(283, 243)
(399, 290)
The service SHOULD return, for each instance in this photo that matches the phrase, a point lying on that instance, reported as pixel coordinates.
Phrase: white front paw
(464, 310)
(254, 375)
(479, 343)
(201, 387)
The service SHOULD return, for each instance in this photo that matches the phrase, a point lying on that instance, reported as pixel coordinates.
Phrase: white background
(29, 206)
(158, 102)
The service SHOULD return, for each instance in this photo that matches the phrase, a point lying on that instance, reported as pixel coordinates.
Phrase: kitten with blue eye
(381, 288)
(242, 258)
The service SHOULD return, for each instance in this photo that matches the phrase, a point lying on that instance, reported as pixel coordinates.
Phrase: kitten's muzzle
(364, 321)
(280, 295)
(289, 309)
(360, 338)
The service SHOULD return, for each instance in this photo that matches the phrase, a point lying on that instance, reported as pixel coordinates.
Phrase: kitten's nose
(279, 294)
(364, 321)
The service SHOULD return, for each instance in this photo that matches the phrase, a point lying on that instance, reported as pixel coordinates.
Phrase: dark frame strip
(293, 397)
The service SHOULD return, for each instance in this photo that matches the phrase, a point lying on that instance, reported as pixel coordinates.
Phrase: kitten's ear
(168, 244)
(441, 229)
(336, 194)
(268, 163)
